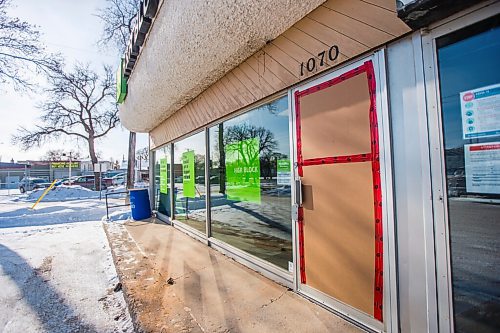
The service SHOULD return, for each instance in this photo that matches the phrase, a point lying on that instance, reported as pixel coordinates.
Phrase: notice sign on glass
(482, 168)
(481, 112)
(188, 186)
(243, 170)
(163, 176)
(283, 172)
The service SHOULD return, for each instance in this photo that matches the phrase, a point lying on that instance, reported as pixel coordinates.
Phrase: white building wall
(412, 186)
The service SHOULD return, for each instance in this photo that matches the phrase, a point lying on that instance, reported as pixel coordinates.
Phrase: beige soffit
(194, 43)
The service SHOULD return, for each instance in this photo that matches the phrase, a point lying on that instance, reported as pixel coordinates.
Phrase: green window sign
(163, 176)
(188, 185)
(283, 172)
(243, 170)
(121, 84)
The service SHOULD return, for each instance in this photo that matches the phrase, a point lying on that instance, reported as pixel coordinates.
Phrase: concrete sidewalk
(174, 283)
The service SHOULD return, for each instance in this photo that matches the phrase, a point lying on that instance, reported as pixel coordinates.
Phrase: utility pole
(131, 160)
(69, 180)
(69, 168)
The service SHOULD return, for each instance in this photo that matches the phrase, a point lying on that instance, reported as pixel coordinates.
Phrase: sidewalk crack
(274, 299)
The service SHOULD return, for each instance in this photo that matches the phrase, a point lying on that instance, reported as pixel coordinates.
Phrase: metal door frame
(390, 307)
(455, 22)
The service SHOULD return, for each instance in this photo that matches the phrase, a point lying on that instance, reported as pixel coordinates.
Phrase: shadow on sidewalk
(50, 307)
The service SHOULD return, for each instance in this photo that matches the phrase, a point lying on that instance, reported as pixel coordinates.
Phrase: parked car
(456, 183)
(65, 181)
(119, 179)
(84, 181)
(32, 183)
(200, 180)
(112, 173)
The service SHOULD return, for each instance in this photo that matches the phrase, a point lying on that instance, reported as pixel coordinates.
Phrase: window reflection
(162, 180)
(250, 182)
(189, 181)
(470, 97)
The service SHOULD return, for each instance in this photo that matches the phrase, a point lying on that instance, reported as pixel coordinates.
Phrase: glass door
(468, 66)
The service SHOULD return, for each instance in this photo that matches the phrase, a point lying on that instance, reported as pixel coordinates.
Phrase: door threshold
(352, 315)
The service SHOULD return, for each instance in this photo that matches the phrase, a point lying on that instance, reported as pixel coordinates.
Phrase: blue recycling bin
(139, 203)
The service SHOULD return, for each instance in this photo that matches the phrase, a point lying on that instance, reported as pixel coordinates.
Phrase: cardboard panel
(335, 121)
(339, 232)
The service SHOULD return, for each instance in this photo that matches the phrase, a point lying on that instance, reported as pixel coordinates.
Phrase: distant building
(87, 167)
(10, 174)
(51, 170)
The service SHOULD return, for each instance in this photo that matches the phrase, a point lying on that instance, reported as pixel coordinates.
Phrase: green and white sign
(163, 176)
(243, 170)
(283, 172)
(121, 84)
(188, 185)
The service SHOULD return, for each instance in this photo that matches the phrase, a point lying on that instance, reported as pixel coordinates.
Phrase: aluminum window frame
(443, 276)
(202, 237)
(391, 316)
(265, 268)
(152, 186)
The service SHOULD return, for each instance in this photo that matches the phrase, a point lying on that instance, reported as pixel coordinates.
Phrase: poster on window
(482, 168)
(243, 170)
(480, 110)
(163, 176)
(188, 186)
(283, 172)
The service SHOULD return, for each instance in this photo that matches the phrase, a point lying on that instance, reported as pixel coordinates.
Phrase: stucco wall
(194, 43)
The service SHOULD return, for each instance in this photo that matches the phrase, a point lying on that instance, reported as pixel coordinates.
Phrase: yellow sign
(62, 165)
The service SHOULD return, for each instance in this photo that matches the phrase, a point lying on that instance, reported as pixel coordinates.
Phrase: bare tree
(80, 105)
(143, 153)
(59, 154)
(21, 51)
(236, 139)
(119, 18)
(238, 133)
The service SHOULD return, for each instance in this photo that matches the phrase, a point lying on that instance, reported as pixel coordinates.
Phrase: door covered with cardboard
(340, 219)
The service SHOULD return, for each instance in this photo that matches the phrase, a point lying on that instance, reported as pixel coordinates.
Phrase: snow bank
(119, 215)
(119, 188)
(63, 193)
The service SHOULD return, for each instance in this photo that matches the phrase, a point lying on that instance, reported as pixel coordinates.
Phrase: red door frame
(372, 156)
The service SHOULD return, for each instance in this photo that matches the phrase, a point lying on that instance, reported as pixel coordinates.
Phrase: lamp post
(69, 180)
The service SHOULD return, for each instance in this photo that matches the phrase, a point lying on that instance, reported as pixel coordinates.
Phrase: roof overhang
(192, 44)
(420, 13)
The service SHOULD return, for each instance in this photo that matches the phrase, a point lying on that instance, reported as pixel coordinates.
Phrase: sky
(68, 27)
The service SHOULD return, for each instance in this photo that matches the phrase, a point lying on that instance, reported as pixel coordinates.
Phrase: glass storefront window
(250, 182)
(162, 180)
(469, 63)
(189, 181)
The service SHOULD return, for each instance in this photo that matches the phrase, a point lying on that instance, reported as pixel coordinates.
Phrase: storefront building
(348, 149)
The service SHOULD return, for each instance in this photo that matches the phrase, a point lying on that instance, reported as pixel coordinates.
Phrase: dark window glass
(163, 187)
(189, 181)
(250, 182)
(469, 72)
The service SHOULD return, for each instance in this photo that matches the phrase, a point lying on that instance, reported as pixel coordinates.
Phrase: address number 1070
(310, 66)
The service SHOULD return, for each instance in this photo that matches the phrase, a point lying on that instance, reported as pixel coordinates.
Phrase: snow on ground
(5, 192)
(73, 192)
(19, 214)
(63, 192)
(56, 269)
